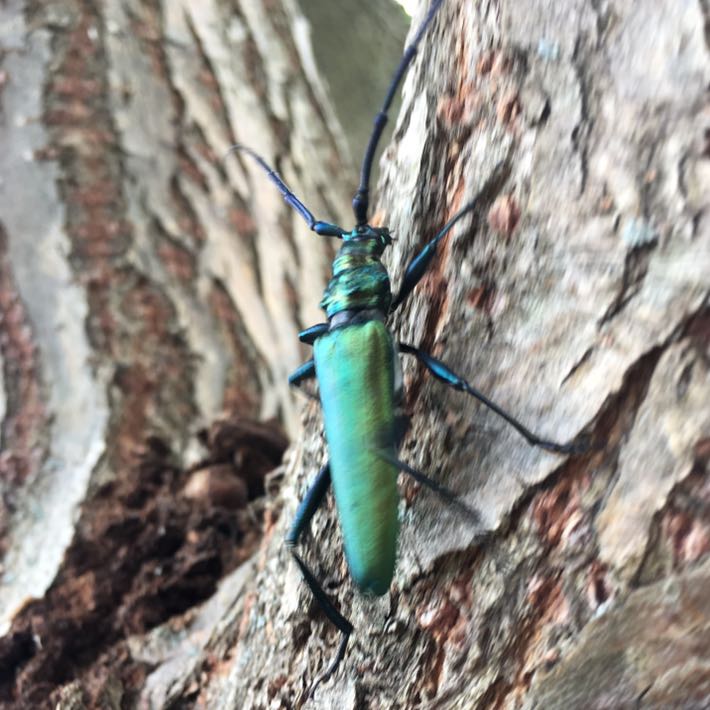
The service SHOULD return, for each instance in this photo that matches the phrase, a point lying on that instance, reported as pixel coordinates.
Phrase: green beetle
(356, 364)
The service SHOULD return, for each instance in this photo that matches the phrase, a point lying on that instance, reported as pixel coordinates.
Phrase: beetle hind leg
(306, 510)
(334, 616)
(447, 495)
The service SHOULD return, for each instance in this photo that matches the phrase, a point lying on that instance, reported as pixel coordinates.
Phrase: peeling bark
(577, 297)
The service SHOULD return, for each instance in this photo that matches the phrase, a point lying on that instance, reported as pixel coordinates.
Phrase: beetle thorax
(359, 281)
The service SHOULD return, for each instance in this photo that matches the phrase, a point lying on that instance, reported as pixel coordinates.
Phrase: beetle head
(380, 235)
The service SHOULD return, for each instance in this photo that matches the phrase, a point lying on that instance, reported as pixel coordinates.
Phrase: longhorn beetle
(354, 362)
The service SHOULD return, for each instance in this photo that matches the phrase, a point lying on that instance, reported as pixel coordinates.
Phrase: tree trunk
(148, 282)
(577, 297)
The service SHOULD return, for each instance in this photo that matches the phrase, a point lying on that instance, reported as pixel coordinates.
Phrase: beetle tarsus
(332, 667)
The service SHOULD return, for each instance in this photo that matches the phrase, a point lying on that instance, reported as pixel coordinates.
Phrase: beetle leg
(443, 492)
(310, 503)
(402, 422)
(307, 371)
(309, 335)
(419, 264)
(447, 376)
(304, 372)
(306, 510)
(331, 611)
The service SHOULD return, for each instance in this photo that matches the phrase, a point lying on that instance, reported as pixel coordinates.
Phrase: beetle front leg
(310, 335)
(418, 266)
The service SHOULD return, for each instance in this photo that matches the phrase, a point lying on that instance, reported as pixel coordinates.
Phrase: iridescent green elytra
(355, 370)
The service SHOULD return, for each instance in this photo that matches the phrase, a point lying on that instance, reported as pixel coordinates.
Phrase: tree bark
(148, 282)
(577, 297)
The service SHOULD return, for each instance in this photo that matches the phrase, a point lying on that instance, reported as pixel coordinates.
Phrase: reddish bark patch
(242, 221)
(451, 111)
(485, 63)
(685, 524)
(446, 618)
(504, 215)
(599, 589)
(549, 608)
(555, 509)
(440, 618)
(483, 297)
(24, 424)
(178, 261)
(508, 108)
(189, 169)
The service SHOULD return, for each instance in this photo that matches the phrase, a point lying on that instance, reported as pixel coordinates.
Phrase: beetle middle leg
(304, 372)
(450, 378)
(306, 510)
(301, 374)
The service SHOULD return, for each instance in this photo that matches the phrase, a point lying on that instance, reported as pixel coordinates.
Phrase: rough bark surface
(578, 297)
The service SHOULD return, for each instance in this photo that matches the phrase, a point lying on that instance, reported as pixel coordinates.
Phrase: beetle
(355, 361)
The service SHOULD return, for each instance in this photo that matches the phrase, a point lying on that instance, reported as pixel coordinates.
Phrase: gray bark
(578, 298)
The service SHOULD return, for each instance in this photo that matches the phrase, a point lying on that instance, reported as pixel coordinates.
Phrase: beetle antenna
(325, 229)
(361, 200)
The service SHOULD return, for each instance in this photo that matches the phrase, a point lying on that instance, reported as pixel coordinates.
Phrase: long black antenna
(325, 229)
(361, 200)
